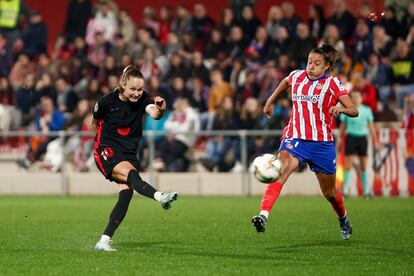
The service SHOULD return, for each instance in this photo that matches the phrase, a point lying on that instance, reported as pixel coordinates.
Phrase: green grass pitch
(56, 235)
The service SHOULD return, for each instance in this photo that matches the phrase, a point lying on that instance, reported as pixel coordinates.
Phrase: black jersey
(120, 123)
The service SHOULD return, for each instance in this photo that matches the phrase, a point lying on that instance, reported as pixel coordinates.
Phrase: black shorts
(356, 145)
(107, 157)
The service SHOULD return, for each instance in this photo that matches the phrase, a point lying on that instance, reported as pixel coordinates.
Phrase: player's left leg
(327, 184)
(364, 177)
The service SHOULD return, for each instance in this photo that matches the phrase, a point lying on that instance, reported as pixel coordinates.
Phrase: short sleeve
(337, 88)
(342, 118)
(147, 100)
(99, 109)
(290, 77)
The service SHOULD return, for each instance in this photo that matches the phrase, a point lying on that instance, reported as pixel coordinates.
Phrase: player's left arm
(347, 108)
(157, 109)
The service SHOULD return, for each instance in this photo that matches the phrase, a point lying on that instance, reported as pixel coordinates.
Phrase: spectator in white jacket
(172, 150)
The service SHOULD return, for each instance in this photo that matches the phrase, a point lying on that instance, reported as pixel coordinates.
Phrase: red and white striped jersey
(312, 99)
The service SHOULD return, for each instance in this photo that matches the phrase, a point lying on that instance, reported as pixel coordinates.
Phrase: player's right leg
(290, 163)
(125, 172)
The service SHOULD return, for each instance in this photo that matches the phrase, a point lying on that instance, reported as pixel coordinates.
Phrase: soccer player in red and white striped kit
(308, 136)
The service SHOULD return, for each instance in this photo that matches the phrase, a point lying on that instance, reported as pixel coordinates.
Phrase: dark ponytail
(131, 71)
(329, 54)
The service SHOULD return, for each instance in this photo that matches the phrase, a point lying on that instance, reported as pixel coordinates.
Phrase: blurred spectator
(22, 67)
(126, 26)
(149, 66)
(408, 19)
(178, 90)
(181, 24)
(408, 114)
(290, 18)
(10, 14)
(44, 87)
(218, 147)
(316, 21)
(402, 77)
(118, 49)
(144, 41)
(165, 24)
(109, 68)
(382, 43)
(67, 100)
(93, 92)
(35, 36)
(6, 92)
(281, 45)
(238, 74)
(237, 7)
(105, 21)
(156, 89)
(274, 21)
(25, 100)
(237, 43)
(202, 25)
(47, 119)
(410, 38)
(177, 68)
(150, 22)
(364, 41)
(367, 90)
(259, 46)
(97, 52)
(332, 37)
(77, 16)
(378, 73)
(216, 46)
(5, 57)
(62, 49)
(343, 20)
(198, 69)
(173, 45)
(301, 46)
(43, 65)
(227, 23)
(249, 23)
(392, 27)
(173, 149)
(199, 99)
(79, 56)
(219, 90)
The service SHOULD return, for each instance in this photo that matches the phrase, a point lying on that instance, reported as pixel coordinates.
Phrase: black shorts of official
(107, 157)
(356, 145)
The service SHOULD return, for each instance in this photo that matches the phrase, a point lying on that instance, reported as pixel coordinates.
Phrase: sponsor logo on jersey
(306, 98)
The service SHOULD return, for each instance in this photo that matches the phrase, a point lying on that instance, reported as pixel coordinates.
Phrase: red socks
(338, 205)
(270, 195)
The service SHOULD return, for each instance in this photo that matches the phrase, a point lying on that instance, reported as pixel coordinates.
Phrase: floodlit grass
(56, 235)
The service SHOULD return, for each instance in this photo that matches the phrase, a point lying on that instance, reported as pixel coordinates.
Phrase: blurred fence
(390, 170)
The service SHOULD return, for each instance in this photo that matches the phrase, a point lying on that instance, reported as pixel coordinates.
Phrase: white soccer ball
(267, 168)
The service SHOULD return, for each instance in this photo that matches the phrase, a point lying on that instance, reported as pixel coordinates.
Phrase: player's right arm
(268, 108)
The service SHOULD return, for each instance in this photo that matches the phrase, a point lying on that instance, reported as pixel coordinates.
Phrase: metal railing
(150, 136)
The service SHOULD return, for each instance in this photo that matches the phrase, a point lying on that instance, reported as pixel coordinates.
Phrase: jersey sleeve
(342, 118)
(99, 109)
(290, 77)
(337, 88)
(147, 99)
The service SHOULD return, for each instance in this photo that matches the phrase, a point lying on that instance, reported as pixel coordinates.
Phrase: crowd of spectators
(213, 75)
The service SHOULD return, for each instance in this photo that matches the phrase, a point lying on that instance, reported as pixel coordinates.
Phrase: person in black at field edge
(117, 120)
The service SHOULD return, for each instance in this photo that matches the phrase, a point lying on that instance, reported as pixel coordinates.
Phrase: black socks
(119, 211)
(140, 185)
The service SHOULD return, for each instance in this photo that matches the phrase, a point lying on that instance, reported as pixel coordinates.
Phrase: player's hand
(336, 111)
(268, 109)
(160, 103)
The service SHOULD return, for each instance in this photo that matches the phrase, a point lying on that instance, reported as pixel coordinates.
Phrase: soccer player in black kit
(117, 119)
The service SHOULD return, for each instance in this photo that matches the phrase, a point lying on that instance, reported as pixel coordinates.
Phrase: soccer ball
(267, 168)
